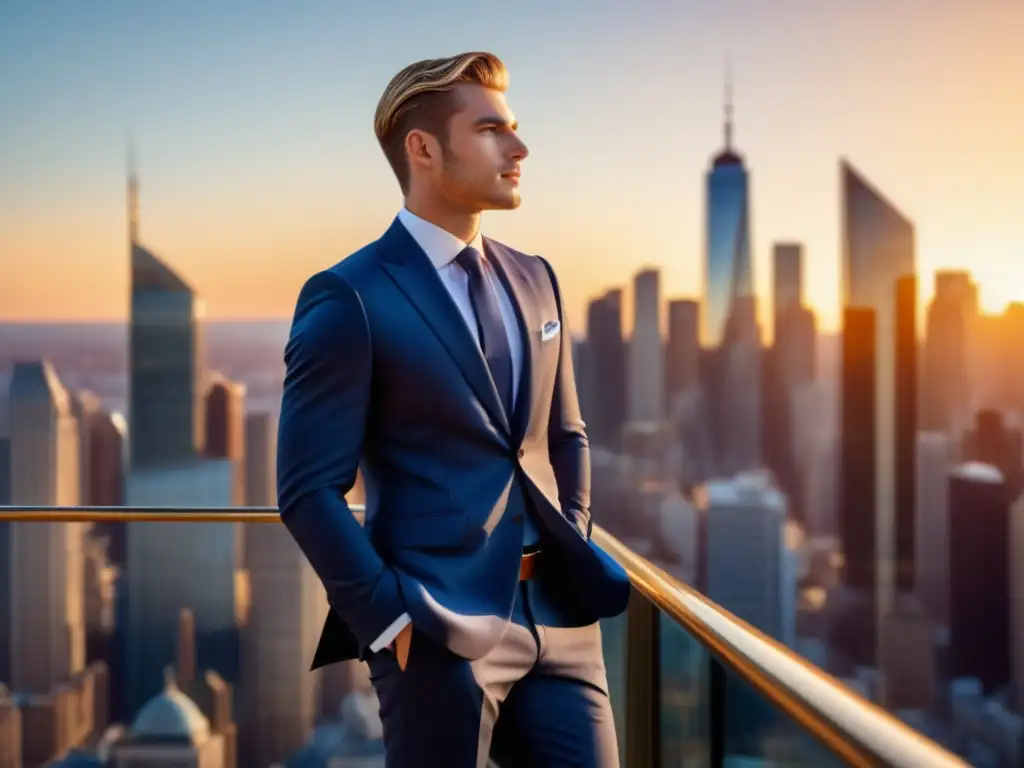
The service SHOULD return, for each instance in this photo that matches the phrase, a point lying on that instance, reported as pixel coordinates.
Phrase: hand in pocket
(401, 644)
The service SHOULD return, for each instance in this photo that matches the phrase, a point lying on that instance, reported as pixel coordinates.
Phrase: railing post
(643, 683)
(717, 714)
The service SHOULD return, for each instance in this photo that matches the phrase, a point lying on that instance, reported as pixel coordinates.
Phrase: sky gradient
(258, 165)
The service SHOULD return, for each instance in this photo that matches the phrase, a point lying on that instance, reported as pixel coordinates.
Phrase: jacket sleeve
(567, 436)
(328, 362)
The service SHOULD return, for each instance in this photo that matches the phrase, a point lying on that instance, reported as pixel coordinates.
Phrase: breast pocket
(549, 344)
(551, 331)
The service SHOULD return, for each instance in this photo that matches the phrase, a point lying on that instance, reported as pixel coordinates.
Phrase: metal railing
(847, 725)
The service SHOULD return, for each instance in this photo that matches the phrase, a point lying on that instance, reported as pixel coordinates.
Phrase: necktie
(493, 340)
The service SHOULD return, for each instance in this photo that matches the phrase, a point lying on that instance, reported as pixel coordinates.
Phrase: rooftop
(170, 716)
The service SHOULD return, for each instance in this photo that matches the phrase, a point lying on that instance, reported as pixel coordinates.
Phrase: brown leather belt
(528, 565)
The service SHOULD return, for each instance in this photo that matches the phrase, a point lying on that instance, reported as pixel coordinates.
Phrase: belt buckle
(528, 565)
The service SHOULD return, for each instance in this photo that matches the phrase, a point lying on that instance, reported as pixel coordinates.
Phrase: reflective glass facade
(728, 268)
(166, 373)
(878, 254)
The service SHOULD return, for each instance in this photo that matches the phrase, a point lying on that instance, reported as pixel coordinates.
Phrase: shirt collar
(440, 245)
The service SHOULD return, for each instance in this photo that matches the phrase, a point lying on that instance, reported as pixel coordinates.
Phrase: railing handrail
(849, 725)
(145, 514)
(852, 727)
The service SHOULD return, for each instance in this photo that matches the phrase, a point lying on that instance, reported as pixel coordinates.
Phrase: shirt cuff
(390, 633)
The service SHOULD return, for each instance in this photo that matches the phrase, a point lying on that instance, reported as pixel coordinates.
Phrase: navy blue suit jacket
(382, 373)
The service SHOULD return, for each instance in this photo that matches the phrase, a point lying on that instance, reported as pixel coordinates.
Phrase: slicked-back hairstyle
(420, 96)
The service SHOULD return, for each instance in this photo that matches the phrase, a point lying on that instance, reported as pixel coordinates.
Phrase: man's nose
(520, 151)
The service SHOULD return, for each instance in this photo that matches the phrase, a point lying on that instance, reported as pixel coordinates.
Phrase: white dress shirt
(441, 247)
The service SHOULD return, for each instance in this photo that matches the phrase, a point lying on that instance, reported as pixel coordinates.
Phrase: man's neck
(463, 225)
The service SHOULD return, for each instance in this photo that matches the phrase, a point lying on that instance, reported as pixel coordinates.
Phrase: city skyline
(789, 246)
(278, 134)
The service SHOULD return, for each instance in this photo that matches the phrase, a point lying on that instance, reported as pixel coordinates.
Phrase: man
(440, 361)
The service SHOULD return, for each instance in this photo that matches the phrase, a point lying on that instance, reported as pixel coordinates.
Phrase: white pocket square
(551, 329)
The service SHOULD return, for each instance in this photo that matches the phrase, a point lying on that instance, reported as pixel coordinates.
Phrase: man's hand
(400, 646)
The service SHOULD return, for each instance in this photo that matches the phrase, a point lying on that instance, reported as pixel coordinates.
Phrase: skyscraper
(750, 573)
(167, 380)
(682, 349)
(168, 423)
(993, 441)
(225, 427)
(947, 351)
(5, 557)
(284, 622)
(979, 575)
(905, 490)
(879, 426)
(934, 461)
(787, 276)
(857, 520)
(47, 585)
(746, 553)
(732, 386)
(5, 470)
(728, 267)
(260, 460)
(795, 331)
(646, 359)
(84, 406)
(607, 370)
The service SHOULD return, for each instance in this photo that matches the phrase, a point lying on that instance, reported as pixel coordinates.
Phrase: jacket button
(521, 453)
(518, 519)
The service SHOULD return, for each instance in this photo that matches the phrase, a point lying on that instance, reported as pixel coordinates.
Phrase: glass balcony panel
(104, 650)
(759, 732)
(685, 711)
(614, 639)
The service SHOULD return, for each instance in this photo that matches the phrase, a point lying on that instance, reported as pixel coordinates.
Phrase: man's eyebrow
(496, 120)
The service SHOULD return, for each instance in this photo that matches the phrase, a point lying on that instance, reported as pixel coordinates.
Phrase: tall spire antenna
(133, 195)
(728, 101)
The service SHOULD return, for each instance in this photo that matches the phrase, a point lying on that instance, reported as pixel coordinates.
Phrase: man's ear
(422, 149)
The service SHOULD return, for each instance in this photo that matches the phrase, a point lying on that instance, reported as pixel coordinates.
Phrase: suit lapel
(520, 290)
(411, 270)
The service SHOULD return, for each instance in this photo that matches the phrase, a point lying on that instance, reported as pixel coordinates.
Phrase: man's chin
(507, 202)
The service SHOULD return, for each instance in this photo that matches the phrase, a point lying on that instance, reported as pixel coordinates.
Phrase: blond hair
(420, 96)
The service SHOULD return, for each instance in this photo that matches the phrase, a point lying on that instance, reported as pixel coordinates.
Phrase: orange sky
(252, 180)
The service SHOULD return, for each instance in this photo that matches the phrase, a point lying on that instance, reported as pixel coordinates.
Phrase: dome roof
(170, 716)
